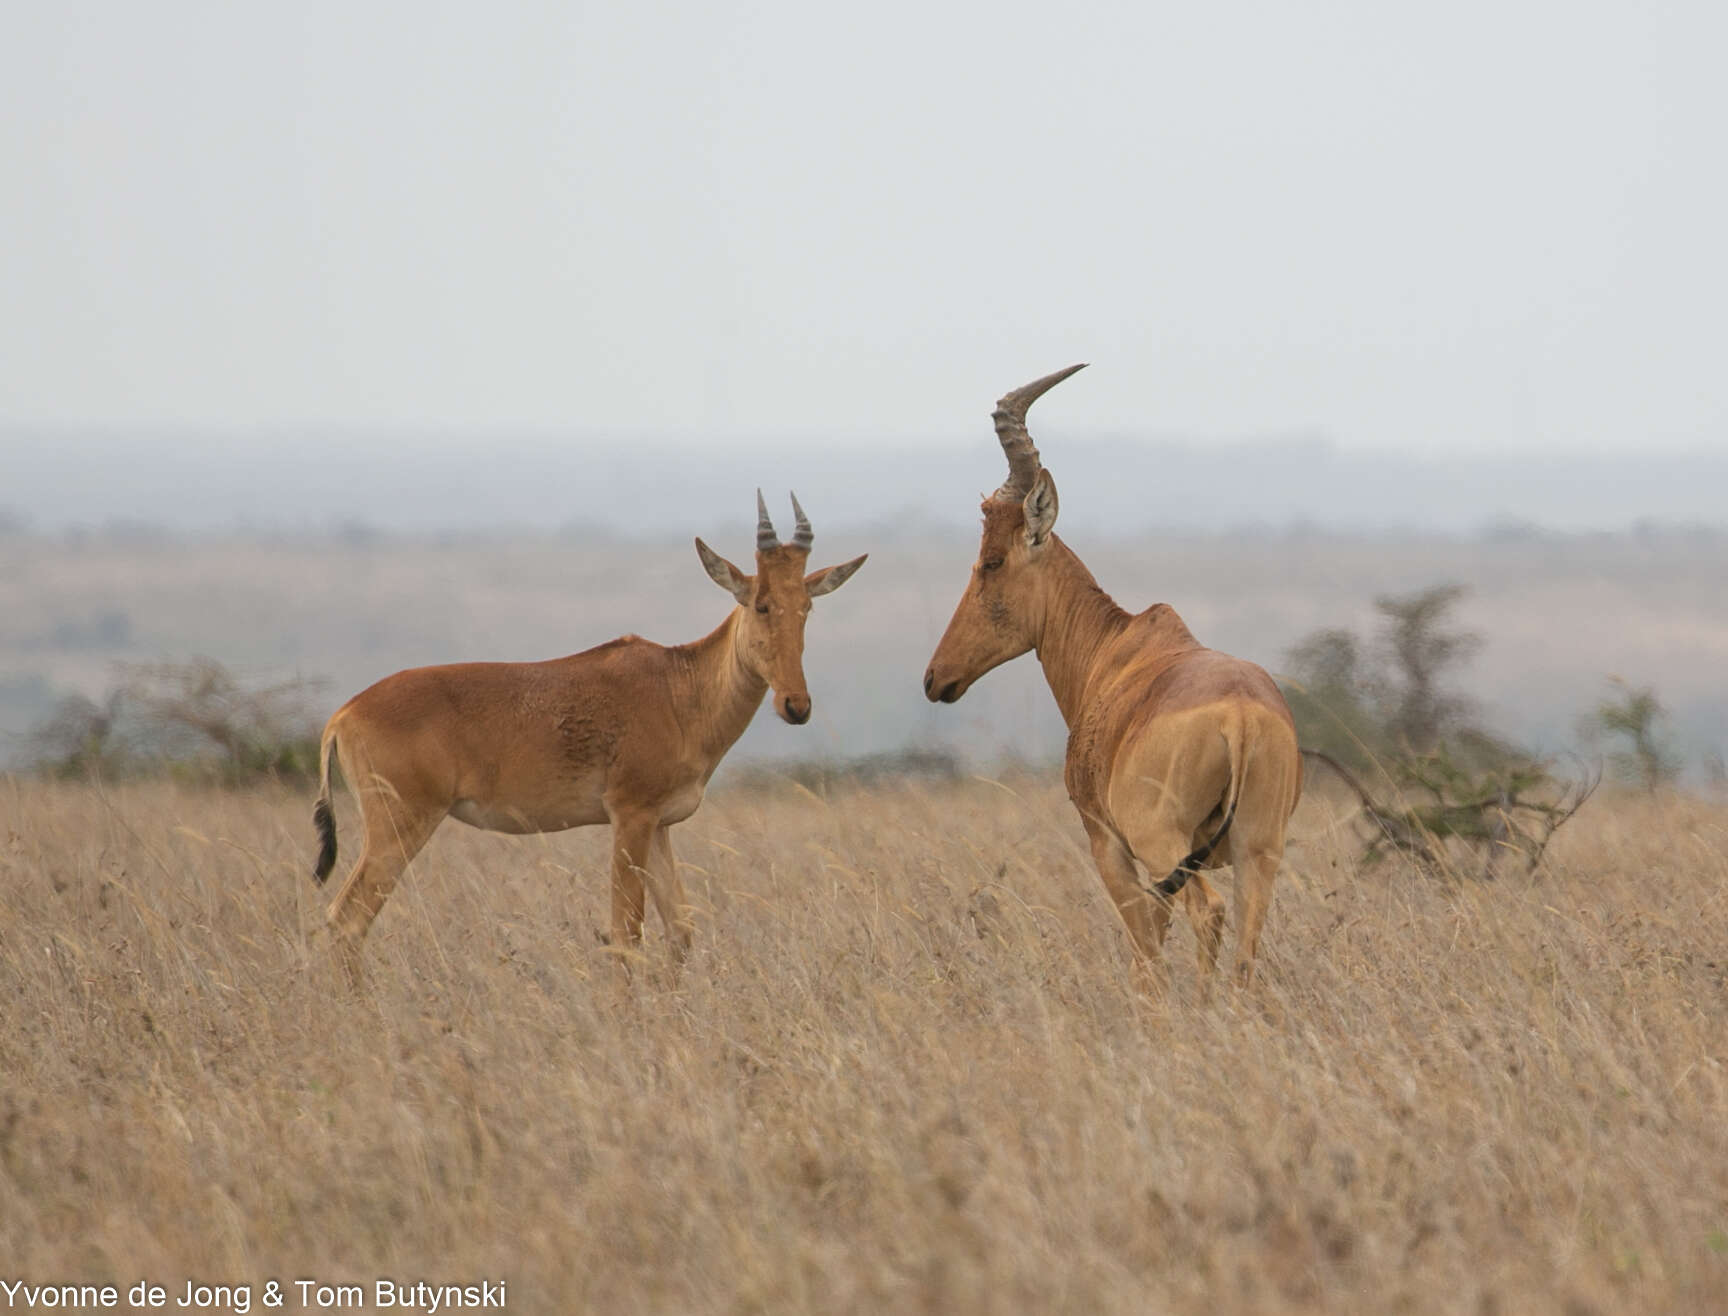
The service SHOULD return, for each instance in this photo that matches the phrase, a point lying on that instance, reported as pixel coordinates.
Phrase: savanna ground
(904, 1071)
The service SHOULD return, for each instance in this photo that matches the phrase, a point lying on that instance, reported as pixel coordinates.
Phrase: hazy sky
(1477, 224)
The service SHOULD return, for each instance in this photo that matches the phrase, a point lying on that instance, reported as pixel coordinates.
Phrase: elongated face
(775, 604)
(775, 615)
(1000, 616)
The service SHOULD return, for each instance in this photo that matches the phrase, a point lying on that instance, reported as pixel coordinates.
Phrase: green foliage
(1328, 697)
(1512, 807)
(1330, 660)
(1386, 715)
(1636, 716)
(77, 740)
(1369, 705)
(1422, 647)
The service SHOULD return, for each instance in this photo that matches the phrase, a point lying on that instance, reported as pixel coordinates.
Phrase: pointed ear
(724, 574)
(829, 579)
(1040, 505)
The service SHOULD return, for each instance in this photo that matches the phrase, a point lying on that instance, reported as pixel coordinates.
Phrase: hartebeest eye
(762, 608)
(990, 564)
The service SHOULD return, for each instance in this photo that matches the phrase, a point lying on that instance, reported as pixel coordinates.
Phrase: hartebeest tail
(1172, 885)
(626, 734)
(323, 816)
(1144, 701)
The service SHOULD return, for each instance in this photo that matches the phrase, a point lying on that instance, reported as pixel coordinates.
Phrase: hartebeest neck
(1078, 620)
(721, 691)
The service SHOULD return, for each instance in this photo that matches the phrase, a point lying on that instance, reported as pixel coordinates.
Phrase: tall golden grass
(906, 1069)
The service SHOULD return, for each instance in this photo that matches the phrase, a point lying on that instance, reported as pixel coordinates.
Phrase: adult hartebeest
(626, 733)
(1178, 756)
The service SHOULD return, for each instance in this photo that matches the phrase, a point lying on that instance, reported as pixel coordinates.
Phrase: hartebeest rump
(627, 733)
(1179, 757)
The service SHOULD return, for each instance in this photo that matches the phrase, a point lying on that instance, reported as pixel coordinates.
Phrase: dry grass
(905, 1070)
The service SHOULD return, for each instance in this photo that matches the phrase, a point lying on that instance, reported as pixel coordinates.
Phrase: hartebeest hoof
(1179, 757)
(627, 733)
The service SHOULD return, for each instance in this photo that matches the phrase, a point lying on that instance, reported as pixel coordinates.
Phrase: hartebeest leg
(668, 892)
(1206, 912)
(1254, 877)
(1146, 915)
(396, 831)
(632, 840)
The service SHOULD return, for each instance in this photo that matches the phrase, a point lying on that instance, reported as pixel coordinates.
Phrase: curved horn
(766, 539)
(1010, 419)
(802, 535)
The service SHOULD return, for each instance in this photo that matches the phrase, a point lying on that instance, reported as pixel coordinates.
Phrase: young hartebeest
(627, 733)
(1178, 756)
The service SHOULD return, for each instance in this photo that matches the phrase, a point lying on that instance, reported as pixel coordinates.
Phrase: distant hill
(596, 485)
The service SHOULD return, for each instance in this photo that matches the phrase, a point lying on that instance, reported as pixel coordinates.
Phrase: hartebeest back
(1179, 757)
(627, 733)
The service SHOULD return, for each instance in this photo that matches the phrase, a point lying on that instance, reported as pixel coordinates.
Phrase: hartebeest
(627, 733)
(1178, 756)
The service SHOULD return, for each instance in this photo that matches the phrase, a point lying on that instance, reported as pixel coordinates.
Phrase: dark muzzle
(946, 695)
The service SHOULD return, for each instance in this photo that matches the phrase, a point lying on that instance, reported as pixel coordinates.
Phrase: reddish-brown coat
(627, 733)
(1167, 739)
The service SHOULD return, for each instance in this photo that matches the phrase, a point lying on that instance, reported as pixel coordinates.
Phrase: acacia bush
(1383, 716)
(1635, 715)
(194, 721)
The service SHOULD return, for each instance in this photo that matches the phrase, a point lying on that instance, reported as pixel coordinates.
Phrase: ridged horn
(1010, 419)
(802, 535)
(766, 539)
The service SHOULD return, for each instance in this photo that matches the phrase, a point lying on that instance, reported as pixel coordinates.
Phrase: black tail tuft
(1178, 879)
(324, 819)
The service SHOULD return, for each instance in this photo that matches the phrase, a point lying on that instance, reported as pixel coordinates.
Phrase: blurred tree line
(195, 721)
(1380, 711)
